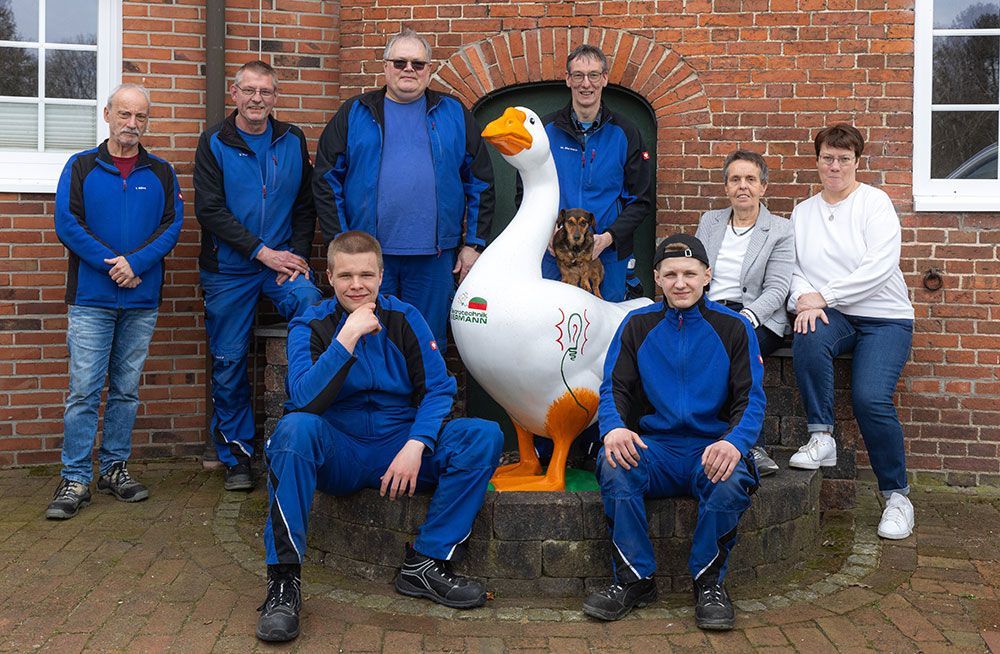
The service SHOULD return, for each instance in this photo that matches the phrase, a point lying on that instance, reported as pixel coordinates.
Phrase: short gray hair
(404, 34)
(259, 67)
(746, 155)
(129, 87)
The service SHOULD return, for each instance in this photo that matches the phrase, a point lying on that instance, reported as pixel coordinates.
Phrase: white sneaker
(821, 450)
(897, 518)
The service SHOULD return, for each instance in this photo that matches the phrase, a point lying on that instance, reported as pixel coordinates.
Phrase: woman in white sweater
(849, 295)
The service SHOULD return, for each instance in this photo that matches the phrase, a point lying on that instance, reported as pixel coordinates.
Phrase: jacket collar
(230, 135)
(104, 156)
(694, 311)
(566, 121)
(375, 102)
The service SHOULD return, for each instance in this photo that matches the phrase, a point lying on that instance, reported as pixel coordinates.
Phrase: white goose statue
(537, 346)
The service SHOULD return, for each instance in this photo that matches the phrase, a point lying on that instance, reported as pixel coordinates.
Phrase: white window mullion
(41, 75)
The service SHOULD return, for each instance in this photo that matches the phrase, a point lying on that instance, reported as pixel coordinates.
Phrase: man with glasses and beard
(407, 165)
(254, 201)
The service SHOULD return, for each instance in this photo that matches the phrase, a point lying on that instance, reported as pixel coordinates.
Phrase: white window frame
(26, 171)
(941, 194)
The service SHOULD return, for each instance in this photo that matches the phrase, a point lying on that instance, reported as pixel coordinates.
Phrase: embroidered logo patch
(645, 155)
(434, 345)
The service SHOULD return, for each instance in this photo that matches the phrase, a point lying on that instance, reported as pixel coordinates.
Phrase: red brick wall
(719, 74)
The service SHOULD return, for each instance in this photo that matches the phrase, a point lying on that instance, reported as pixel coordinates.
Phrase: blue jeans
(103, 342)
(230, 306)
(881, 347)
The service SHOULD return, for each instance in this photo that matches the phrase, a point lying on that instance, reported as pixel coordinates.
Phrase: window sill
(955, 203)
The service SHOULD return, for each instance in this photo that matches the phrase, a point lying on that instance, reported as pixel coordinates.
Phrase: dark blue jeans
(881, 347)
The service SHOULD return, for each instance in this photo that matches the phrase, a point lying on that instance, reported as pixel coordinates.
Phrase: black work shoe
(712, 610)
(615, 601)
(765, 464)
(279, 614)
(69, 498)
(118, 482)
(422, 576)
(239, 477)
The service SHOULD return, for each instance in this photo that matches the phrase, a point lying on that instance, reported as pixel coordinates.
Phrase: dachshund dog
(573, 246)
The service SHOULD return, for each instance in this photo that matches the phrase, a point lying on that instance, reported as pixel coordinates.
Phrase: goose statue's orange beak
(507, 133)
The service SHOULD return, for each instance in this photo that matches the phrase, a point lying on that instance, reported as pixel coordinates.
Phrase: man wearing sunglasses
(254, 201)
(407, 165)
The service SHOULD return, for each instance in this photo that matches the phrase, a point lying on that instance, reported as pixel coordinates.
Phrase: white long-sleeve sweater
(853, 259)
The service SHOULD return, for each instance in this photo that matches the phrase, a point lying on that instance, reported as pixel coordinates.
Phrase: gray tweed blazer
(767, 266)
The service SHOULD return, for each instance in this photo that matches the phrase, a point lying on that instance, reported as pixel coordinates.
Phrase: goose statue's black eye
(531, 120)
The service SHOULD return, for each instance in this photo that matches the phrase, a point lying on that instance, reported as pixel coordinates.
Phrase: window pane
(19, 20)
(71, 21)
(966, 14)
(18, 126)
(70, 127)
(19, 72)
(70, 74)
(966, 69)
(964, 144)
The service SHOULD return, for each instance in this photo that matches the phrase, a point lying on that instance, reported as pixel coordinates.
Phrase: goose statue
(537, 346)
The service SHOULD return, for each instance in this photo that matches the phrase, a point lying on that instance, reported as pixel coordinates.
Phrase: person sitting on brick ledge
(849, 295)
(687, 375)
(368, 398)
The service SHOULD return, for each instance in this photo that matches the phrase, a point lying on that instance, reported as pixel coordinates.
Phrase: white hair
(129, 87)
(404, 34)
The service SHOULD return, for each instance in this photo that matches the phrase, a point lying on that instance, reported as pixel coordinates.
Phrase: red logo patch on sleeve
(761, 359)
(434, 345)
(180, 196)
(645, 155)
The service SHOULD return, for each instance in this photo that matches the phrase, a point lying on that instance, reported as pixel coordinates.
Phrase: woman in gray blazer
(752, 255)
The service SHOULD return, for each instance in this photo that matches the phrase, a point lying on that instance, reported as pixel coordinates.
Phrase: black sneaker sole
(52, 514)
(277, 635)
(723, 624)
(406, 588)
(138, 497)
(238, 485)
(611, 616)
(766, 472)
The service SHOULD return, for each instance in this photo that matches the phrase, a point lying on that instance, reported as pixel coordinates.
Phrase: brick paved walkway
(180, 572)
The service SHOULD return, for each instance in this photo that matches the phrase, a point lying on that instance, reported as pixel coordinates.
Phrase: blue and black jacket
(240, 209)
(606, 171)
(101, 216)
(680, 373)
(395, 380)
(349, 161)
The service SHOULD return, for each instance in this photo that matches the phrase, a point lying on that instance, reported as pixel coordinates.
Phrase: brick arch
(660, 75)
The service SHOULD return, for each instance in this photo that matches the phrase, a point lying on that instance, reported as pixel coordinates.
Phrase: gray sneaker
(118, 482)
(69, 498)
(765, 464)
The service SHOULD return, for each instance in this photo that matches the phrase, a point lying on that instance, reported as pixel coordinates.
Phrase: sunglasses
(401, 64)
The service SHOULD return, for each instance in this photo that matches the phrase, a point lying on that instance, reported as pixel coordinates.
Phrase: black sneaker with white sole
(765, 464)
(713, 610)
(118, 482)
(422, 576)
(69, 498)
(279, 614)
(239, 477)
(618, 599)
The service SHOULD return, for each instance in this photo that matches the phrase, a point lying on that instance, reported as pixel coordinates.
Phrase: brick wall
(719, 74)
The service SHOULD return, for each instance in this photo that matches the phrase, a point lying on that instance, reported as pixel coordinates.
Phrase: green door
(544, 98)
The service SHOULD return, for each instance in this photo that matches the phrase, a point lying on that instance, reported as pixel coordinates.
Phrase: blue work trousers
(426, 282)
(881, 347)
(306, 453)
(230, 305)
(671, 467)
(110, 343)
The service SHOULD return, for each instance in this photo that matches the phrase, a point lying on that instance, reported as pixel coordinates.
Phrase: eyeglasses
(594, 76)
(828, 160)
(250, 92)
(401, 64)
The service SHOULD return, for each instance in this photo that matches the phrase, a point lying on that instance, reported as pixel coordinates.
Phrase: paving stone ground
(180, 573)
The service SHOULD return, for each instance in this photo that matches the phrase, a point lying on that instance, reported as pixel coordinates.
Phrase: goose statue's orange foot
(537, 346)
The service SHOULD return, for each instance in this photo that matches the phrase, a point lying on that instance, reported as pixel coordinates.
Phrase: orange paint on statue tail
(567, 417)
